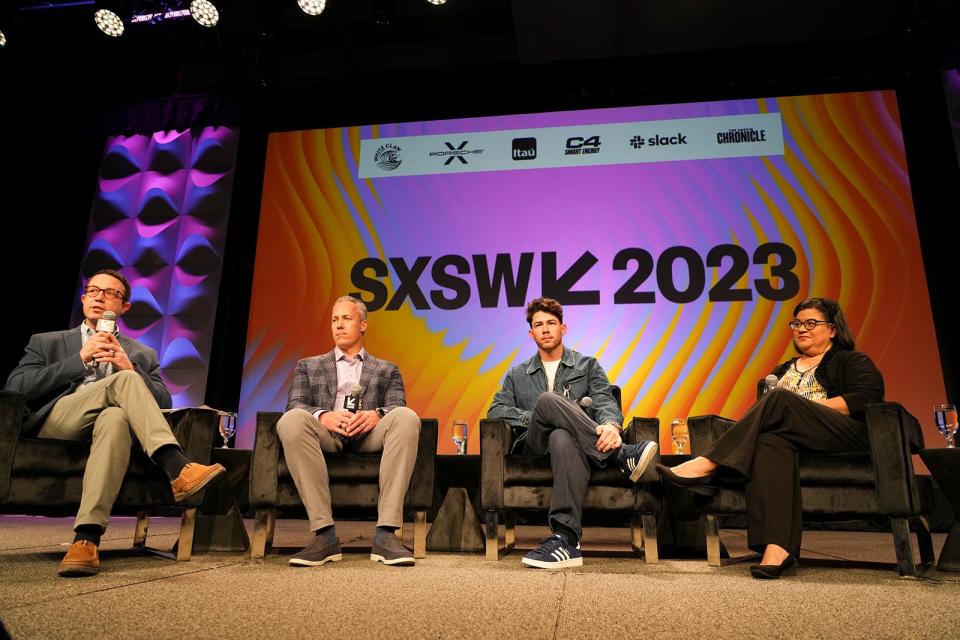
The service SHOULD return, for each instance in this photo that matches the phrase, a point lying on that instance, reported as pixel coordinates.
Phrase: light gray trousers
(305, 440)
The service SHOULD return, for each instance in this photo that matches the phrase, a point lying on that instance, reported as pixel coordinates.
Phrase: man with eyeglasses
(85, 384)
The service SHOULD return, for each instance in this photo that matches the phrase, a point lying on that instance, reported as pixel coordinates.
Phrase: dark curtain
(179, 113)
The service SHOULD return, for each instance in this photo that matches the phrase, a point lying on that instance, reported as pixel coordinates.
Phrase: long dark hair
(843, 339)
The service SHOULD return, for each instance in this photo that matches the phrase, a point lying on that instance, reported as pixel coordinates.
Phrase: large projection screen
(679, 238)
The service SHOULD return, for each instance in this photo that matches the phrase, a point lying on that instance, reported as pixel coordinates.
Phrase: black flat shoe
(702, 485)
(773, 571)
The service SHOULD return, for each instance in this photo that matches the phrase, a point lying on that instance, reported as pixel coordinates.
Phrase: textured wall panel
(160, 217)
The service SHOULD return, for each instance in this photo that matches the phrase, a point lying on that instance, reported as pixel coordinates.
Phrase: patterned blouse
(804, 384)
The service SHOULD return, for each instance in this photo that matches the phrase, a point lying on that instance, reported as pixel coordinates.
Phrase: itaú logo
(459, 152)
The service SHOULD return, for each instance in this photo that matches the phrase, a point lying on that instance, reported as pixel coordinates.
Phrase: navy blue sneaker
(554, 553)
(633, 459)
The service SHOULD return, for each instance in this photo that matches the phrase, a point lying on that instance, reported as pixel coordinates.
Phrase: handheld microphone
(585, 403)
(354, 401)
(107, 322)
(770, 383)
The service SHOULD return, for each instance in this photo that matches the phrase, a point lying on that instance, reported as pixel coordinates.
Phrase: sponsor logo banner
(737, 136)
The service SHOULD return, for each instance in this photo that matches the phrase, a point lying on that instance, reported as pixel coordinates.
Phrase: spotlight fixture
(437, 2)
(108, 22)
(3, 39)
(204, 12)
(312, 7)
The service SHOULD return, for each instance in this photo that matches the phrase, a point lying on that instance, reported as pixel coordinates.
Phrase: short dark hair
(547, 305)
(113, 273)
(843, 339)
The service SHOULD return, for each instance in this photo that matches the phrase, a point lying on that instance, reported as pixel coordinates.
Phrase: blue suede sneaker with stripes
(554, 553)
(633, 459)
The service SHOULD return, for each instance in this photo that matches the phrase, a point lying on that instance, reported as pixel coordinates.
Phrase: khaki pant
(110, 413)
(304, 441)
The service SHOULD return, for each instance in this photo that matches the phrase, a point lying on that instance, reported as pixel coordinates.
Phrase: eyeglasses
(809, 325)
(109, 294)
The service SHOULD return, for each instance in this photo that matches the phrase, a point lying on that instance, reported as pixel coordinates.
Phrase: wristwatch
(381, 412)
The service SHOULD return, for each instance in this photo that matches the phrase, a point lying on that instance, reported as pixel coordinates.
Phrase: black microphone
(354, 401)
(107, 322)
(770, 383)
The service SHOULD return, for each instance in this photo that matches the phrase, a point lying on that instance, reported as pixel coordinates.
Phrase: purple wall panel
(160, 217)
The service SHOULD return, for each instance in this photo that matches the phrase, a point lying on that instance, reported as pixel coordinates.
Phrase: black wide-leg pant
(559, 427)
(763, 447)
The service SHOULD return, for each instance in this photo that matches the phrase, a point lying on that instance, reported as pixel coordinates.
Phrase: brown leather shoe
(194, 477)
(81, 560)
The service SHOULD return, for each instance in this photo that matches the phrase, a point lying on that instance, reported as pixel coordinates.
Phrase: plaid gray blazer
(314, 384)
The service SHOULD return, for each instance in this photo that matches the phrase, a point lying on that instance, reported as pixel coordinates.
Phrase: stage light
(437, 2)
(312, 7)
(108, 22)
(205, 13)
(3, 39)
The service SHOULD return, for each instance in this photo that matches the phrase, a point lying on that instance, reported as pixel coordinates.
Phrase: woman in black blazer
(817, 405)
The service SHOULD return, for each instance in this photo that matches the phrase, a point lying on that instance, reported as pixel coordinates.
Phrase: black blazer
(848, 374)
(51, 368)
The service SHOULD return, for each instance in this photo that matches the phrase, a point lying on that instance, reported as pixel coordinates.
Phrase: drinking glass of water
(228, 427)
(679, 435)
(459, 435)
(945, 416)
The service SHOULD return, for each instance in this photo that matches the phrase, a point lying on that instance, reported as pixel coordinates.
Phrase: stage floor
(846, 588)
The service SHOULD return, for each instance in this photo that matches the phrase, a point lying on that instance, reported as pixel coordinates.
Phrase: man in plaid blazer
(322, 416)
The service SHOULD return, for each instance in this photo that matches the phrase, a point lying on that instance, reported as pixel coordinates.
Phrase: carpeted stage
(846, 588)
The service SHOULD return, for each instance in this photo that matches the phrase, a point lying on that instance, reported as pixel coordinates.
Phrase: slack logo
(524, 148)
(658, 140)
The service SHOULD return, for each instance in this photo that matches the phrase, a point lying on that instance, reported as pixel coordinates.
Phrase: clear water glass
(679, 435)
(459, 434)
(228, 427)
(945, 416)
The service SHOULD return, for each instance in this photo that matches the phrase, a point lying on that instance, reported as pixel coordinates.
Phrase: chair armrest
(265, 461)
(420, 491)
(894, 436)
(705, 430)
(495, 436)
(194, 428)
(648, 494)
(642, 429)
(12, 410)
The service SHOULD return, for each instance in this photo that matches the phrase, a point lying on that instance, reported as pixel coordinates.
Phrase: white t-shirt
(550, 368)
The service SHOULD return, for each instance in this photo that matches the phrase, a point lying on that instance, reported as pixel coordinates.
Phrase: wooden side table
(944, 464)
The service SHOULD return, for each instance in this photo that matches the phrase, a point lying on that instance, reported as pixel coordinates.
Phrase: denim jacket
(577, 376)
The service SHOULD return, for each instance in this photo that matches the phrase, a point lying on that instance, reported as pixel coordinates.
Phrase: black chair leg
(906, 565)
(924, 541)
(510, 532)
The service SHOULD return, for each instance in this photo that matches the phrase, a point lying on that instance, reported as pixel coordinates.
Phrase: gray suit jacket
(314, 384)
(51, 368)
